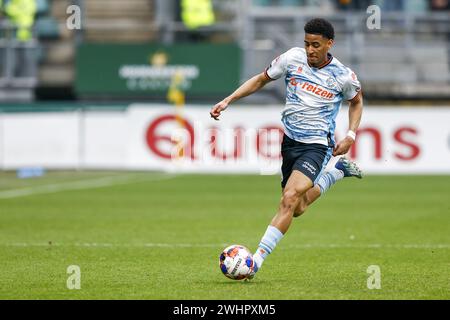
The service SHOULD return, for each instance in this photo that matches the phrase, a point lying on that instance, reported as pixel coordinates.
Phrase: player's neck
(323, 63)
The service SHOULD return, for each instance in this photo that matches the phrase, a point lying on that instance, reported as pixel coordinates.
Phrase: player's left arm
(354, 115)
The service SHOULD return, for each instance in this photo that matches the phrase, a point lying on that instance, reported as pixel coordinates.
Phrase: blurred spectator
(195, 14)
(439, 5)
(346, 4)
(21, 14)
(353, 4)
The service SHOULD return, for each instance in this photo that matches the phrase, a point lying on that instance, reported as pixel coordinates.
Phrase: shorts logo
(308, 166)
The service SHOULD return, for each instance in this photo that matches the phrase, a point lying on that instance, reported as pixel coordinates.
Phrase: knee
(301, 208)
(290, 199)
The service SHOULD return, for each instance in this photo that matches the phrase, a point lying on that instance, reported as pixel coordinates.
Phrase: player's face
(317, 47)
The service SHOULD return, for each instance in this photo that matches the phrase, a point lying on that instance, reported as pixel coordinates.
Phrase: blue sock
(267, 244)
(327, 179)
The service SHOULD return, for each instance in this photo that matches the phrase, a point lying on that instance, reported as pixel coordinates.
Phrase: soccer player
(316, 85)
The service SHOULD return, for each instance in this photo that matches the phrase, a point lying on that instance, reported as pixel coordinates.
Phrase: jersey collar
(330, 58)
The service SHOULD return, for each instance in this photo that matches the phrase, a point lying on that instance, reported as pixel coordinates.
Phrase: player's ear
(330, 43)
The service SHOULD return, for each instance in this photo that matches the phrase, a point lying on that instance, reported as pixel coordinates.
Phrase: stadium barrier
(246, 140)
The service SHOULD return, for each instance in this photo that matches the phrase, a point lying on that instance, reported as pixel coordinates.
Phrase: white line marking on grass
(114, 245)
(218, 245)
(83, 184)
(373, 246)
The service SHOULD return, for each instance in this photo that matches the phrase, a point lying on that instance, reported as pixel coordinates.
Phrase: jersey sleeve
(352, 86)
(278, 67)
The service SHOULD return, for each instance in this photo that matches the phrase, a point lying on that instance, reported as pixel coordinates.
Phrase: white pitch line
(81, 184)
(114, 245)
(220, 245)
(374, 246)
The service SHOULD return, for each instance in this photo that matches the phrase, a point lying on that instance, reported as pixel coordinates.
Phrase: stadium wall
(396, 140)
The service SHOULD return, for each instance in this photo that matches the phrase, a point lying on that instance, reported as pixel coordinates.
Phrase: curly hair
(321, 27)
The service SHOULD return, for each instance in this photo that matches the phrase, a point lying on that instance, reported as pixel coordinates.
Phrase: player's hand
(217, 109)
(343, 146)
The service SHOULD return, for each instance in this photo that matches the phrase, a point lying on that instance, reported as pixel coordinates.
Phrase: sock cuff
(322, 189)
(336, 173)
(274, 230)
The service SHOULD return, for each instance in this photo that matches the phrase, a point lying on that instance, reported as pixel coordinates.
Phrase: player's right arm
(247, 88)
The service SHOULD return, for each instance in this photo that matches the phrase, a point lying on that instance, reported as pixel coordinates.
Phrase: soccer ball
(236, 262)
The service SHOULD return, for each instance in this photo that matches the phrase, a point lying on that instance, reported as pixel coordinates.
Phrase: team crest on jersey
(300, 69)
(331, 83)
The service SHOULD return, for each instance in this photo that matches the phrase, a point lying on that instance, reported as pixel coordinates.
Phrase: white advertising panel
(105, 140)
(245, 140)
(40, 139)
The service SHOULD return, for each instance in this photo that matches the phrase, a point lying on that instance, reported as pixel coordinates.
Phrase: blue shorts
(308, 158)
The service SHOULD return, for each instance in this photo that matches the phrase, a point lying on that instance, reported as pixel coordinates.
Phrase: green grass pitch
(156, 236)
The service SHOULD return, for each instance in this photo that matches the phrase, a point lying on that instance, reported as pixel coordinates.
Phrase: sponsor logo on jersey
(313, 88)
